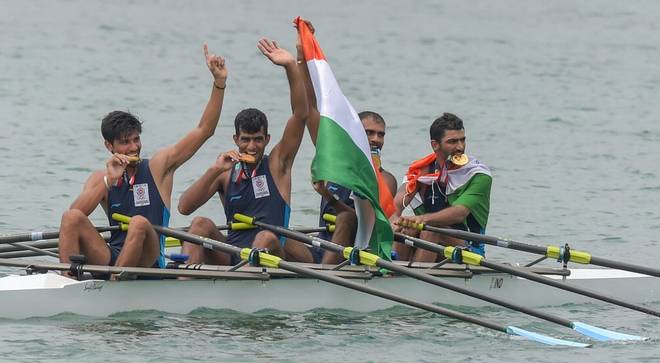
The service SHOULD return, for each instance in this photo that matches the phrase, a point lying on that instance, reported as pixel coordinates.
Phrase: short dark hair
(370, 114)
(448, 121)
(118, 124)
(251, 121)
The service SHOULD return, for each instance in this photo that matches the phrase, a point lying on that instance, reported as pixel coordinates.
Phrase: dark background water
(559, 98)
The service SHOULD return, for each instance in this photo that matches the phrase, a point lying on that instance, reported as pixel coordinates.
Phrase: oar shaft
(420, 243)
(540, 250)
(37, 244)
(224, 247)
(34, 249)
(491, 299)
(24, 253)
(418, 275)
(37, 236)
(625, 266)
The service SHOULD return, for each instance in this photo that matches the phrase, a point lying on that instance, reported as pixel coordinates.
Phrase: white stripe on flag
(333, 104)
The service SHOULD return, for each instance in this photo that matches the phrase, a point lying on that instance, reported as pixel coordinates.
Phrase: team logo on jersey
(141, 194)
(260, 186)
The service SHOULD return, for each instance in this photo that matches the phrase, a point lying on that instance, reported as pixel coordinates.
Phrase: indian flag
(343, 155)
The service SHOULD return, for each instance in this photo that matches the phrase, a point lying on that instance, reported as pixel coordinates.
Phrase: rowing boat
(250, 289)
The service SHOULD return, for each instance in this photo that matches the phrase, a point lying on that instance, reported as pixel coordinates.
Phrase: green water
(559, 98)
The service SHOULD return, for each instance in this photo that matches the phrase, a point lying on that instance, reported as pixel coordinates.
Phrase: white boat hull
(51, 294)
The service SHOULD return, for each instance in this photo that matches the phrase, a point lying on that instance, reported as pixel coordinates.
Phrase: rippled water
(559, 98)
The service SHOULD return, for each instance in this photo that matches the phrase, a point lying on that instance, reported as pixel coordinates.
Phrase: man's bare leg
(297, 251)
(425, 255)
(141, 247)
(402, 250)
(269, 241)
(345, 229)
(78, 236)
(205, 227)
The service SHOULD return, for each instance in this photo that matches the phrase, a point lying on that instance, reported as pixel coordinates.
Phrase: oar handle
(239, 226)
(331, 218)
(243, 218)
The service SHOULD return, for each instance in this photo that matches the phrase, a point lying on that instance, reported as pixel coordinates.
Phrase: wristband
(105, 181)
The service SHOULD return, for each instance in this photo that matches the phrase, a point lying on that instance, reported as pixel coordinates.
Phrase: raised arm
(170, 158)
(313, 116)
(285, 151)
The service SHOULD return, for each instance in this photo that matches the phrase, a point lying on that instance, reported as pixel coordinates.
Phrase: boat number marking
(496, 282)
(93, 286)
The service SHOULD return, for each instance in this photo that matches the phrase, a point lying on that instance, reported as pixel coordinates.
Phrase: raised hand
(217, 67)
(309, 24)
(311, 29)
(227, 160)
(277, 55)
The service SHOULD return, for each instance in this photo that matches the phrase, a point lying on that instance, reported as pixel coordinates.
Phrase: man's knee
(139, 222)
(202, 224)
(73, 217)
(266, 238)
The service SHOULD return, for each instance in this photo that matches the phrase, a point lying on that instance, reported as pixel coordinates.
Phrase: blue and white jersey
(254, 194)
(138, 196)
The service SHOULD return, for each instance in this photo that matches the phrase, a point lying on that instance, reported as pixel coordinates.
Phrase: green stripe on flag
(338, 159)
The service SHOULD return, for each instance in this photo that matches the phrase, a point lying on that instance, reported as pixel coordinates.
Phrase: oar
(38, 244)
(370, 259)
(550, 251)
(174, 242)
(24, 253)
(264, 259)
(47, 235)
(37, 236)
(34, 249)
(470, 258)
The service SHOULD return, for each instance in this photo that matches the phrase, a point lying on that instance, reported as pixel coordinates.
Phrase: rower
(446, 188)
(336, 199)
(136, 187)
(247, 180)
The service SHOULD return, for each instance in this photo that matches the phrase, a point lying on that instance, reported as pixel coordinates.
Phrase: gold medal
(459, 160)
(133, 159)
